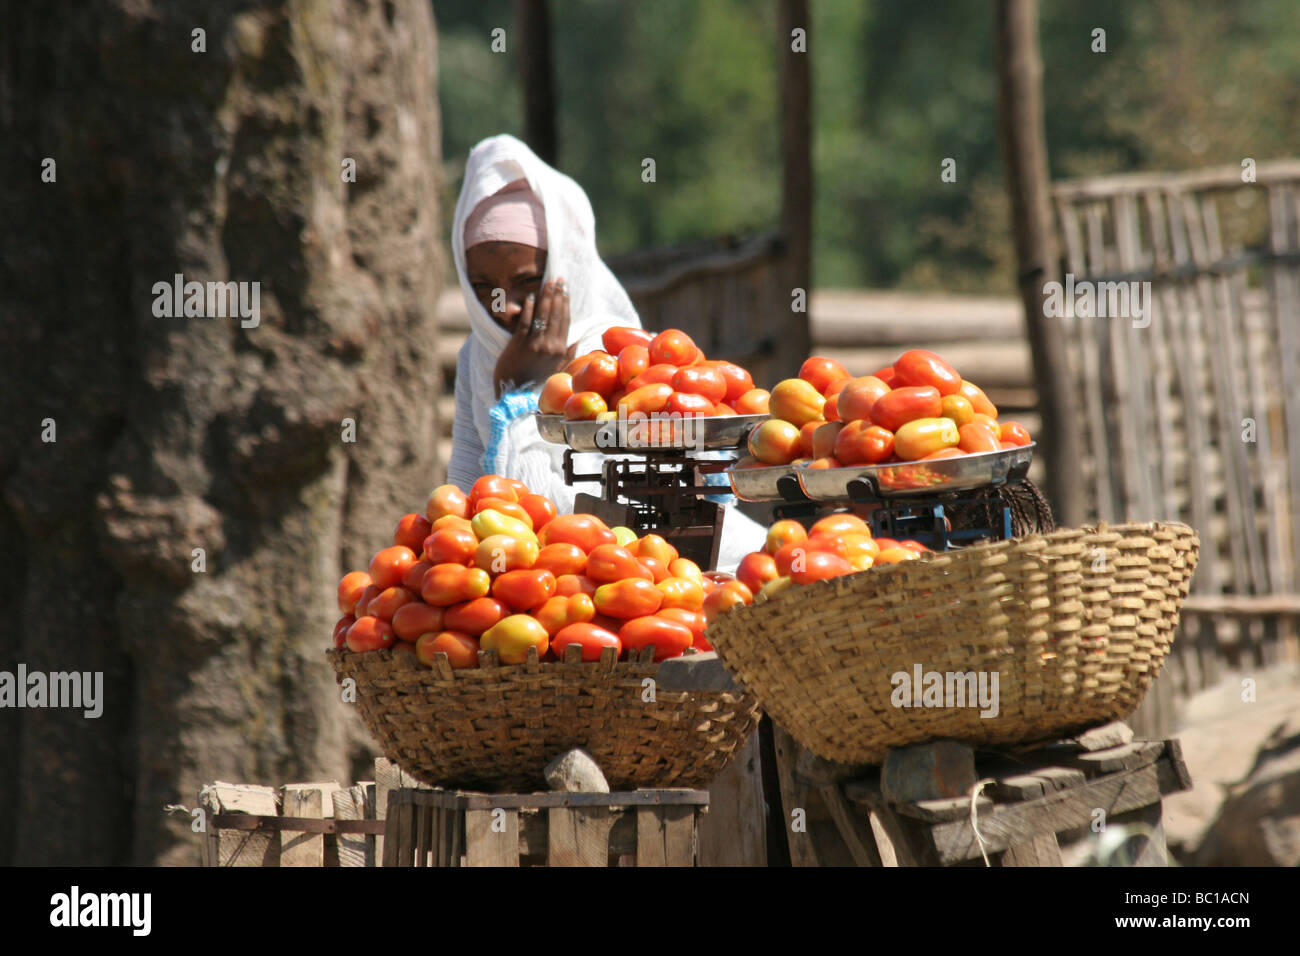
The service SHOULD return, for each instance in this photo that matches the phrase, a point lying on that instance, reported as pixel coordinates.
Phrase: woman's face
(511, 267)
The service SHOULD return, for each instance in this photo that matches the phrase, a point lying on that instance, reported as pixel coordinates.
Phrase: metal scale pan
(900, 480)
(650, 435)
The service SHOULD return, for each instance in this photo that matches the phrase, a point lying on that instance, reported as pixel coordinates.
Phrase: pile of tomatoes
(645, 373)
(918, 409)
(498, 569)
(835, 545)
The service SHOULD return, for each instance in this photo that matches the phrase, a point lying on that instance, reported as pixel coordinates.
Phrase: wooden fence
(1192, 411)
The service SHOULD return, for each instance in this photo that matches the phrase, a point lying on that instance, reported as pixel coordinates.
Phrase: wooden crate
(455, 828)
(298, 824)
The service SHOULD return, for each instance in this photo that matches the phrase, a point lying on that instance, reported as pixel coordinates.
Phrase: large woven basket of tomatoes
(494, 635)
(998, 643)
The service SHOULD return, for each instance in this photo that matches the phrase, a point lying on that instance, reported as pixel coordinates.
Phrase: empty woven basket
(1074, 624)
(496, 727)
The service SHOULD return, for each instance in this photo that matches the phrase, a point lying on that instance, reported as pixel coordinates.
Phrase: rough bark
(1022, 136)
(183, 433)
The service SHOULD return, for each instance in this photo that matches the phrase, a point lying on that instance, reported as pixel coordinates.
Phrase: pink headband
(514, 214)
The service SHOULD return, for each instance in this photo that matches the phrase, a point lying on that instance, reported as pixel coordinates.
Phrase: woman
(538, 293)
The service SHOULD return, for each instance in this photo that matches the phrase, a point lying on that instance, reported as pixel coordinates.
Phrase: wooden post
(734, 831)
(795, 76)
(536, 77)
(1023, 140)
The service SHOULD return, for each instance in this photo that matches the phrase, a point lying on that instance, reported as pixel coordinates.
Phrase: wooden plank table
(1025, 800)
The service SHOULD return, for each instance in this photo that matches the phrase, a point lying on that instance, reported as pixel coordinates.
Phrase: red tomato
(341, 630)
(448, 584)
(922, 367)
(738, 381)
(661, 374)
(885, 374)
(413, 619)
(901, 405)
(701, 380)
(820, 565)
(858, 397)
(569, 584)
(1015, 433)
(584, 406)
(681, 592)
(832, 396)
(559, 612)
(911, 545)
(669, 638)
(350, 588)
(839, 523)
(695, 620)
(975, 438)
(590, 637)
(389, 566)
(540, 508)
(586, 531)
(490, 486)
(725, 597)
(756, 569)
(447, 500)
(511, 509)
(631, 597)
(757, 401)
(450, 546)
(979, 401)
(797, 402)
(959, 409)
(599, 375)
(411, 532)
(774, 442)
(685, 403)
(521, 590)
(646, 400)
(618, 337)
(414, 579)
(632, 361)
(820, 372)
(387, 602)
(924, 436)
(782, 533)
(513, 636)
(612, 562)
(658, 571)
(860, 443)
(461, 649)
(561, 558)
(657, 547)
(363, 602)
(473, 617)
(672, 347)
(806, 438)
(369, 634)
(685, 568)
(555, 392)
(722, 408)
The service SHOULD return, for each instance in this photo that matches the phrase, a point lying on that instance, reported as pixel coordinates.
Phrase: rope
(975, 792)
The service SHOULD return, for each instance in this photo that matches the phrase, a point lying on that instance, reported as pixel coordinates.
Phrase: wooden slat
(303, 849)
(1042, 850)
(488, 847)
(236, 847)
(1222, 177)
(734, 831)
(854, 829)
(579, 836)
(1285, 329)
(350, 804)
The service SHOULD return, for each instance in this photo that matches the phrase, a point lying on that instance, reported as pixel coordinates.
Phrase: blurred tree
(221, 157)
(897, 89)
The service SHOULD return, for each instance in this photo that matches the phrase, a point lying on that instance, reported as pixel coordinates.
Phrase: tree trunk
(1023, 138)
(537, 78)
(222, 434)
(795, 77)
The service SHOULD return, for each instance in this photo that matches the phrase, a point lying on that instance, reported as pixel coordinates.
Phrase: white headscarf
(596, 299)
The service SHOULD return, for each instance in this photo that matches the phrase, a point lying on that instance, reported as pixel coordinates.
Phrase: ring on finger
(539, 325)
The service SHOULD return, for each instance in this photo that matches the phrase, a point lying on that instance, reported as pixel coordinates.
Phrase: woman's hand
(539, 346)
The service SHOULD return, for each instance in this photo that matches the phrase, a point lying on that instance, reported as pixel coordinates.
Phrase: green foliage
(897, 88)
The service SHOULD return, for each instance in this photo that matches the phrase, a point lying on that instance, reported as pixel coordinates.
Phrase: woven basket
(1075, 624)
(496, 727)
